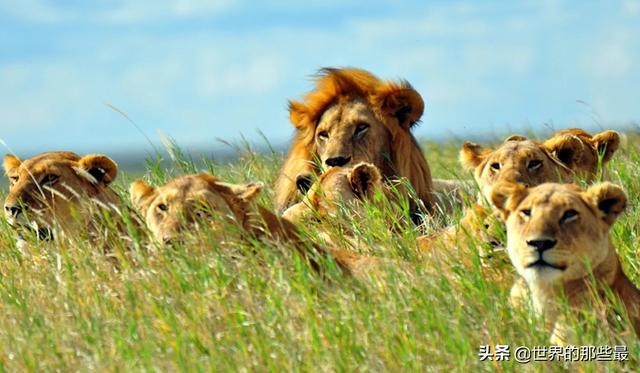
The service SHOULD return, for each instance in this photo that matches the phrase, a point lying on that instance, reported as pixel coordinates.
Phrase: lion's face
(517, 160)
(564, 157)
(584, 160)
(352, 117)
(335, 187)
(556, 231)
(348, 133)
(186, 202)
(52, 189)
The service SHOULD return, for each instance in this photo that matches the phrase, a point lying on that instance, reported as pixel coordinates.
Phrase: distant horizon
(224, 149)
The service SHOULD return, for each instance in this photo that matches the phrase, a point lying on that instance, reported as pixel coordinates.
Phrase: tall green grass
(228, 303)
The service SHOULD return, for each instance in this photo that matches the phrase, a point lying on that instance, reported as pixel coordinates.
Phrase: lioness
(337, 185)
(182, 203)
(596, 148)
(557, 236)
(186, 202)
(351, 117)
(565, 157)
(58, 193)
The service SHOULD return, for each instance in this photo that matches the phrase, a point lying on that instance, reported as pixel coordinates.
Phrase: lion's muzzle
(13, 210)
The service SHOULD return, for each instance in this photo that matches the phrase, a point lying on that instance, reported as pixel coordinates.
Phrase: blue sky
(203, 70)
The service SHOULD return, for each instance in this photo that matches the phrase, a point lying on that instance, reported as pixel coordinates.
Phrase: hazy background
(202, 70)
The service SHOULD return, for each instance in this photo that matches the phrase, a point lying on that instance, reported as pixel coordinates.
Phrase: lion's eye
(323, 135)
(13, 179)
(49, 180)
(162, 207)
(525, 212)
(361, 129)
(201, 211)
(495, 166)
(534, 165)
(569, 215)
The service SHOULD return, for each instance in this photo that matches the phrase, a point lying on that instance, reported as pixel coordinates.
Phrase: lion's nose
(13, 210)
(542, 245)
(337, 161)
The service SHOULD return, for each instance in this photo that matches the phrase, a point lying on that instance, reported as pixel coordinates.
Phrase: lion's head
(52, 190)
(584, 160)
(562, 158)
(337, 186)
(555, 231)
(187, 201)
(353, 117)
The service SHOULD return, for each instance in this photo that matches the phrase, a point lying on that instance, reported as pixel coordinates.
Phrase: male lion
(557, 238)
(58, 192)
(351, 117)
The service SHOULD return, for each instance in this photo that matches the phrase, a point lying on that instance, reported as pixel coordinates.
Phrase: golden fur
(563, 157)
(57, 192)
(557, 234)
(479, 226)
(518, 160)
(566, 156)
(339, 185)
(351, 117)
(184, 202)
(188, 201)
(585, 161)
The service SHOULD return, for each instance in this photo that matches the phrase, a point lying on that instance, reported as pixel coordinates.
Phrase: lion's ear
(515, 138)
(567, 149)
(298, 114)
(102, 168)
(402, 102)
(141, 195)
(364, 179)
(606, 143)
(609, 199)
(244, 192)
(304, 182)
(472, 155)
(11, 164)
(507, 196)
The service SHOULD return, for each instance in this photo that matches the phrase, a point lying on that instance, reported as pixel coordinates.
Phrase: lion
(58, 193)
(188, 202)
(566, 156)
(596, 149)
(558, 237)
(338, 185)
(352, 117)
(183, 202)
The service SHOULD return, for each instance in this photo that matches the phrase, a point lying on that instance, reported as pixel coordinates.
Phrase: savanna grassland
(225, 302)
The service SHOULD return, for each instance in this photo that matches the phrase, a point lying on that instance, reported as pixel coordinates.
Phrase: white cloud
(35, 11)
(141, 11)
(36, 96)
(631, 7)
(117, 12)
(472, 68)
(257, 76)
